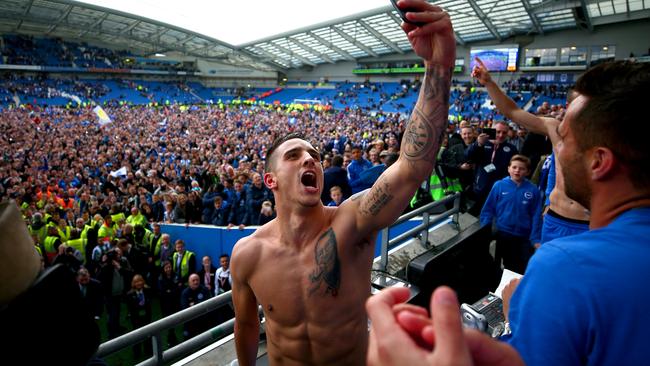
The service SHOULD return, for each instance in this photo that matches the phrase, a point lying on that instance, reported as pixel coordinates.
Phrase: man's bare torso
(313, 294)
(560, 203)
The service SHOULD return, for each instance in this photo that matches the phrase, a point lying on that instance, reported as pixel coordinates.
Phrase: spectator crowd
(93, 196)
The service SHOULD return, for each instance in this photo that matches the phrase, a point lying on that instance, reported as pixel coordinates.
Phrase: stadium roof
(371, 33)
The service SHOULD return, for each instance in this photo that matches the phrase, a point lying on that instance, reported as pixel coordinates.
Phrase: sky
(239, 22)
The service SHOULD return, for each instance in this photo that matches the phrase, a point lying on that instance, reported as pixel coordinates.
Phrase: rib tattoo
(328, 266)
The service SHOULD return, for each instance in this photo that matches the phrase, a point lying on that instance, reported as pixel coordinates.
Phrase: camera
(111, 255)
(472, 318)
(485, 315)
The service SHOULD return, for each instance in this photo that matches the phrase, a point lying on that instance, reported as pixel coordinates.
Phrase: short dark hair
(500, 122)
(279, 141)
(391, 158)
(615, 116)
(337, 160)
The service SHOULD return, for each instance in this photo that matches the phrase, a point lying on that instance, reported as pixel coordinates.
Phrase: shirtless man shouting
(309, 268)
(564, 216)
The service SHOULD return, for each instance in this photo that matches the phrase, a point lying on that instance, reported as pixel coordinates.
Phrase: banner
(102, 116)
(119, 173)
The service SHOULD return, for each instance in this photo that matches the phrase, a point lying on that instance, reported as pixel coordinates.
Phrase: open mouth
(308, 179)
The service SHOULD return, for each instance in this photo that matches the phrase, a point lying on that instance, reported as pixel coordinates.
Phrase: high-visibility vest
(84, 232)
(64, 234)
(139, 219)
(78, 244)
(157, 244)
(185, 268)
(49, 244)
(105, 231)
(117, 217)
(50, 250)
(41, 233)
(439, 188)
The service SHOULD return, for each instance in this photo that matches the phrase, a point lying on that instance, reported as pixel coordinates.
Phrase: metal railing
(157, 328)
(423, 228)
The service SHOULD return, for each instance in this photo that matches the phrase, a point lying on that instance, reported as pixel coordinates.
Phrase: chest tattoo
(326, 277)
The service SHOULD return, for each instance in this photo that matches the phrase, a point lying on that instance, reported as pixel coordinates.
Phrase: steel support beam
(159, 34)
(272, 56)
(587, 18)
(484, 18)
(537, 26)
(266, 60)
(554, 5)
(94, 25)
(292, 54)
(459, 39)
(63, 17)
(354, 41)
(331, 45)
(130, 27)
(380, 37)
(186, 39)
(29, 7)
(311, 50)
(396, 19)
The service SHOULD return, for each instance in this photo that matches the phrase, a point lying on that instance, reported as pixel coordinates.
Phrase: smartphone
(402, 14)
(490, 132)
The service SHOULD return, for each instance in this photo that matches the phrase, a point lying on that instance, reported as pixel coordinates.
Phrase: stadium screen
(496, 58)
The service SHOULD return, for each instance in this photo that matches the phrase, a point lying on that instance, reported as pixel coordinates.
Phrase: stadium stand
(96, 120)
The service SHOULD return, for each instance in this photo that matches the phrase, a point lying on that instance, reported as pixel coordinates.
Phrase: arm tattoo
(377, 199)
(328, 266)
(425, 131)
(359, 195)
(437, 83)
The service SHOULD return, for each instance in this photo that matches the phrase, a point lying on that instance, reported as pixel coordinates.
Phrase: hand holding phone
(402, 14)
(490, 132)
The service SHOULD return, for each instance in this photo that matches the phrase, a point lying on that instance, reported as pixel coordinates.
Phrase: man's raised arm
(508, 107)
(435, 43)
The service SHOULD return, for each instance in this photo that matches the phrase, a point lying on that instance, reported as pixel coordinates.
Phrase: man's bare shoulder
(248, 250)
